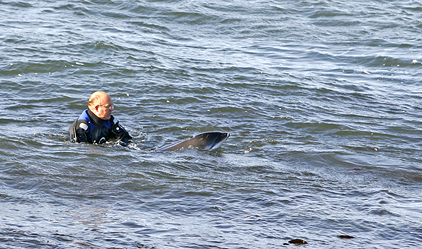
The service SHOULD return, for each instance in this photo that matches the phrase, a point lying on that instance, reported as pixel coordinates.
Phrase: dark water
(323, 100)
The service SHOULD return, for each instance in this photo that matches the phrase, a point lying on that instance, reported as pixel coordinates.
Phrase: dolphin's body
(203, 141)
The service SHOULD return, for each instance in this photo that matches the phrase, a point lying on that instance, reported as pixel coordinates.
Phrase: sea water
(322, 98)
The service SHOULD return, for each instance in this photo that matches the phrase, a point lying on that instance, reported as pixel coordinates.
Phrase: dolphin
(203, 141)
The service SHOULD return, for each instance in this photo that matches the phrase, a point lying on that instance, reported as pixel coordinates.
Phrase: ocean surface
(323, 100)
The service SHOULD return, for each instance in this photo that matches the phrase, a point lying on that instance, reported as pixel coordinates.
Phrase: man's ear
(94, 109)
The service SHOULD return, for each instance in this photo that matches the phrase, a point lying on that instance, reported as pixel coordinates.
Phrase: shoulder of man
(116, 127)
(83, 121)
(80, 128)
(84, 116)
(82, 124)
(113, 120)
(120, 132)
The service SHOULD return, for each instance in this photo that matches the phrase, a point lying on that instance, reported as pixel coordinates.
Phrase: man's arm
(120, 133)
(79, 131)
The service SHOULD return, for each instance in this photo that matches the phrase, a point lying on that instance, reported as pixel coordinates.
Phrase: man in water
(96, 124)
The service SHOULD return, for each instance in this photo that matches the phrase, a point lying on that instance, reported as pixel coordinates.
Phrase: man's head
(101, 105)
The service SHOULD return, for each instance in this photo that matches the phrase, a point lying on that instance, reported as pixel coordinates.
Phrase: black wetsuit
(89, 128)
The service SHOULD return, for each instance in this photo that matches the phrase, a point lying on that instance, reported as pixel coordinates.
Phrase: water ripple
(321, 99)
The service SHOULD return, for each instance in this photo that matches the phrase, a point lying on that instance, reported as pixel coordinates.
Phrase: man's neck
(94, 117)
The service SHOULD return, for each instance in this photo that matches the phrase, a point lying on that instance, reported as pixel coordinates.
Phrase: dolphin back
(203, 141)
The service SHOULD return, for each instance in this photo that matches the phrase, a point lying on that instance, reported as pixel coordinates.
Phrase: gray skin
(203, 141)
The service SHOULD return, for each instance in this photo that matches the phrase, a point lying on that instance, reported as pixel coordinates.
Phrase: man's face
(104, 109)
